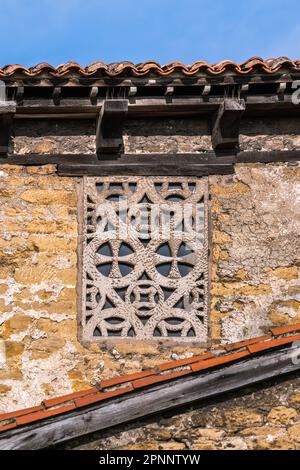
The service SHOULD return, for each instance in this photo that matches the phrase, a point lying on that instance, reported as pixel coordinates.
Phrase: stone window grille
(144, 258)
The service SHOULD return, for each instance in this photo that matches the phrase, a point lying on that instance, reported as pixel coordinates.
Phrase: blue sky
(55, 31)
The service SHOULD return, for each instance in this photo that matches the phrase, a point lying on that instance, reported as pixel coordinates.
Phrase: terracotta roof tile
(241, 344)
(100, 396)
(15, 414)
(159, 378)
(272, 344)
(218, 361)
(71, 396)
(126, 378)
(184, 362)
(281, 330)
(44, 414)
(161, 373)
(99, 68)
(6, 427)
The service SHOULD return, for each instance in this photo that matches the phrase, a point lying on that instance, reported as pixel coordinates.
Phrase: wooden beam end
(109, 138)
(226, 124)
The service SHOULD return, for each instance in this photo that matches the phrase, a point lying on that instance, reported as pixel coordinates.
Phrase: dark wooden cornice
(200, 164)
(193, 103)
(175, 164)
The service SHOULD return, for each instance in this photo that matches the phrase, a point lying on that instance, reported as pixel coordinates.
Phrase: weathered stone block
(242, 417)
(48, 196)
(42, 170)
(52, 244)
(282, 415)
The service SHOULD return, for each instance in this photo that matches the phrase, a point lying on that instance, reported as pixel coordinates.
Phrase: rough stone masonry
(254, 283)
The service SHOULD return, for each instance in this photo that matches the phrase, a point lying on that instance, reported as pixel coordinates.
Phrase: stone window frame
(174, 340)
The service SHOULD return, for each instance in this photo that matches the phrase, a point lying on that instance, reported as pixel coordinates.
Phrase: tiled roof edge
(116, 387)
(253, 65)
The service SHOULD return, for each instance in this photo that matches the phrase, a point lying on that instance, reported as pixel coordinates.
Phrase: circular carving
(174, 326)
(144, 297)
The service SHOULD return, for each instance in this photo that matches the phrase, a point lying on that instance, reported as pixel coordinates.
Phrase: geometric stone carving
(144, 258)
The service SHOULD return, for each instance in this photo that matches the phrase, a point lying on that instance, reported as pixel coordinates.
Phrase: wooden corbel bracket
(226, 125)
(7, 113)
(109, 137)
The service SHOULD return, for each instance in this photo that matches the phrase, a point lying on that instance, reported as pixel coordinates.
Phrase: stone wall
(52, 136)
(167, 136)
(276, 133)
(254, 273)
(38, 322)
(256, 250)
(193, 135)
(266, 418)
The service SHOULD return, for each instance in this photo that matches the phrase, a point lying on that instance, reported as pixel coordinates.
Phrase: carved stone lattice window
(144, 250)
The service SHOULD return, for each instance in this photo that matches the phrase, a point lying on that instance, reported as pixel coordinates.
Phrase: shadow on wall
(276, 133)
(281, 125)
(168, 127)
(157, 135)
(49, 136)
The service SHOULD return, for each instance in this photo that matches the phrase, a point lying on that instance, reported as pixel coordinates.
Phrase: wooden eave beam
(109, 134)
(7, 114)
(146, 169)
(226, 125)
(158, 106)
(130, 163)
(174, 165)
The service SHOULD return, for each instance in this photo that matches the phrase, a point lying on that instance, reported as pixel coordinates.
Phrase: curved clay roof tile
(252, 65)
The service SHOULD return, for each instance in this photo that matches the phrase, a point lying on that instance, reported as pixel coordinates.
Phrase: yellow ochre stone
(294, 432)
(49, 196)
(238, 288)
(221, 238)
(52, 244)
(28, 275)
(41, 170)
(18, 322)
(219, 254)
(4, 388)
(282, 415)
(242, 417)
(230, 190)
(294, 398)
(286, 273)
